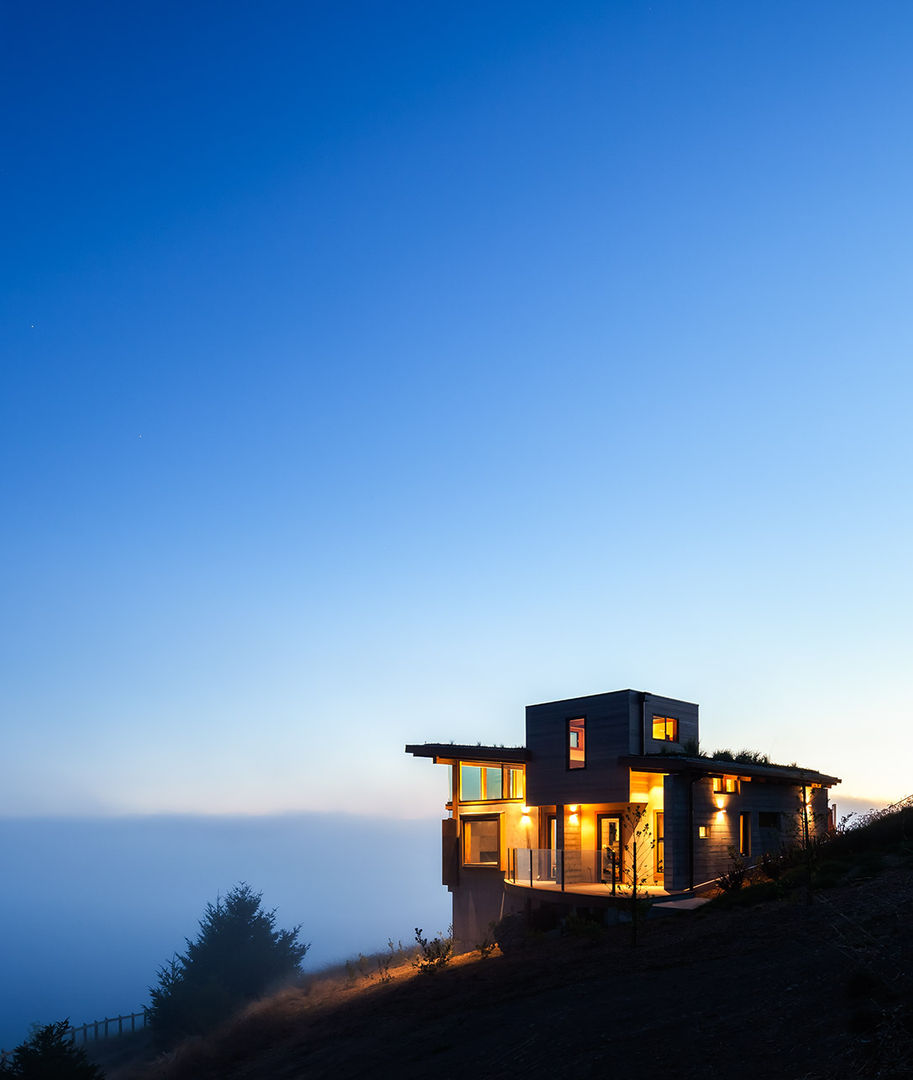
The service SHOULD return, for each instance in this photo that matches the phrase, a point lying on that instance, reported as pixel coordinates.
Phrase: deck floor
(602, 891)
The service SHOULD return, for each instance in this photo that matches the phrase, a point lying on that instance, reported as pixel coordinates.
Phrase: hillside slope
(781, 989)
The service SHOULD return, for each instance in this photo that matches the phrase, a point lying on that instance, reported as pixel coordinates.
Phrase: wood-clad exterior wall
(617, 724)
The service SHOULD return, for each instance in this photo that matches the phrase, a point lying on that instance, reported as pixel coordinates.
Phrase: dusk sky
(372, 370)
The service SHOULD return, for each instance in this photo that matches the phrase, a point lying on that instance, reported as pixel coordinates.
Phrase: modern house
(609, 791)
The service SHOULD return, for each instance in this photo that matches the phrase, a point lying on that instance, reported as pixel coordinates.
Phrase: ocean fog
(91, 908)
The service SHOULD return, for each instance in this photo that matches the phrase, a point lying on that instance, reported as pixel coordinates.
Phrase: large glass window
(576, 743)
(481, 782)
(515, 783)
(470, 783)
(481, 841)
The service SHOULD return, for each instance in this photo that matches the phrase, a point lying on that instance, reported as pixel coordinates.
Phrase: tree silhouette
(237, 955)
(50, 1054)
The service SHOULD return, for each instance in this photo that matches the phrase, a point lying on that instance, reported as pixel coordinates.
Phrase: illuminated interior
(484, 783)
(481, 841)
(728, 785)
(665, 728)
(576, 743)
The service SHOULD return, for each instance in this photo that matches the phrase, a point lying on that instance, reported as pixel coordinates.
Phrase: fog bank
(91, 908)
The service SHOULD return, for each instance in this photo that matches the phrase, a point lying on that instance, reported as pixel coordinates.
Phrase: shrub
(772, 865)
(734, 878)
(751, 894)
(50, 1054)
(486, 946)
(237, 955)
(433, 954)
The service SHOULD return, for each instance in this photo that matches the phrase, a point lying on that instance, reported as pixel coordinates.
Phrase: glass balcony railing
(550, 868)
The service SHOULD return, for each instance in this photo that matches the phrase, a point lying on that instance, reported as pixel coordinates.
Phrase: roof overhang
(445, 753)
(698, 767)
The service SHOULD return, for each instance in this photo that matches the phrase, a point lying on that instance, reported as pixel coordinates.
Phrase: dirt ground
(783, 990)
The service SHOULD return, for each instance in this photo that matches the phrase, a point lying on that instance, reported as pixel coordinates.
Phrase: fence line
(102, 1029)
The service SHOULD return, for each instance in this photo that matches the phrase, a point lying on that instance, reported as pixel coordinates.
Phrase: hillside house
(609, 789)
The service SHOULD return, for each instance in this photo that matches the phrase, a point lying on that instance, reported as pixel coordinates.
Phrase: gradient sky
(372, 370)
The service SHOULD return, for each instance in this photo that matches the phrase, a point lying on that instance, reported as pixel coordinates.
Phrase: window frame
(745, 833)
(666, 721)
(469, 820)
(718, 785)
(569, 761)
(505, 771)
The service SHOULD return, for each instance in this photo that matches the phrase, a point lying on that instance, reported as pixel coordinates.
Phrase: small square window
(481, 841)
(702, 831)
(665, 729)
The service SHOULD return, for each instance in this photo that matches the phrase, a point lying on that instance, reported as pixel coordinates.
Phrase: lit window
(725, 785)
(481, 782)
(515, 783)
(481, 841)
(576, 743)
(745, 834)
(702, 831)
(470, 783)
(665, 728)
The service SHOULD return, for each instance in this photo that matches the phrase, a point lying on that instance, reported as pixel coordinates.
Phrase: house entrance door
(609, 835)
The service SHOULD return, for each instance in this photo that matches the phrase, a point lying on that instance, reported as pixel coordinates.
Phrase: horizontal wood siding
(607, 738)
(684, 711)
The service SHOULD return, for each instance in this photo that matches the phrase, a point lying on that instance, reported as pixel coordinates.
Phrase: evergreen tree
(50, 1054)
(236, 956)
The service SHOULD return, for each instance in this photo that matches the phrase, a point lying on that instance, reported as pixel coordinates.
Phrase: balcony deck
(570, 876)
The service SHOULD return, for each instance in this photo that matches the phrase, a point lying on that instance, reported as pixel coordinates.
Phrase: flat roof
(463, 752)
(607, 693)
(719, 767)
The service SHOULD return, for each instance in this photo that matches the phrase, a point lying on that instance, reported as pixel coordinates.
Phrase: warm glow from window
(745, 833)
(728, 785)
(485, 783)
(481, 841)
(576, 743)
(665, 728)
(702, 831)
(515, 788)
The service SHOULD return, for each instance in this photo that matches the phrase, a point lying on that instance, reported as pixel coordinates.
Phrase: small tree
(640, 863)
(237, 955)
(50, 1054)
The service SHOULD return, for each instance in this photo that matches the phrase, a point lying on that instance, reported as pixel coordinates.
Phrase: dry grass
(784, 989)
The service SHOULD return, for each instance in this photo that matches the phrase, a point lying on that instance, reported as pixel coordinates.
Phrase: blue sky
(373, 370)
